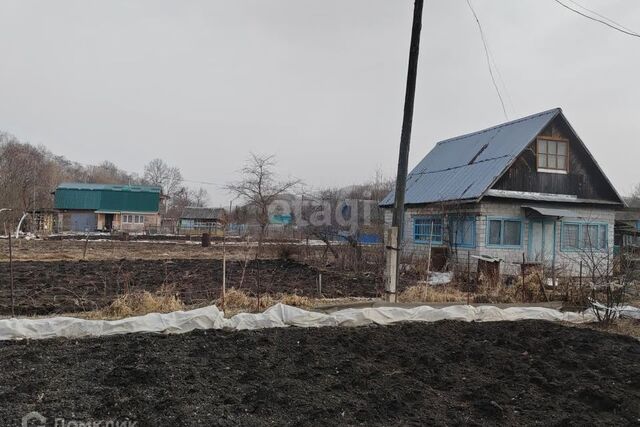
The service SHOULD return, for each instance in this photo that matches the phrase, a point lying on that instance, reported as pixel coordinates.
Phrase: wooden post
(393, 246)
(524, 298)
(580, 277)
(430, 247)
(86, 243)
(224, 265)
(13, 295)
(391, 267)
(468, 277)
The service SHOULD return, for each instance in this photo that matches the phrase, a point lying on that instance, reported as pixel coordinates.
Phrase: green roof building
(89, 207)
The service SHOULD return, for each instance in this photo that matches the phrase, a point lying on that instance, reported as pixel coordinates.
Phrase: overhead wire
(602, 16)
(599, 18)
(488, 58)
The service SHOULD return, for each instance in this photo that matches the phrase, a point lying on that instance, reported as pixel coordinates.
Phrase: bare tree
(634, 200)
(157, 172)
(260, 188)
(200, 197)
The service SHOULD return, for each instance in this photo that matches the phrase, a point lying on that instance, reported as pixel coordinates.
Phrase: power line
(611, 24)
(488, 57)
(501, 81)
(602, 16)
(200, 182)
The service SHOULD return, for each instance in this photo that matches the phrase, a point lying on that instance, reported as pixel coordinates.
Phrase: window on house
(139, 219)
(126, 218)
(571, 236)
(577, 236)
(462, 231)
(427, 230)
(504, 232)
(553, 155)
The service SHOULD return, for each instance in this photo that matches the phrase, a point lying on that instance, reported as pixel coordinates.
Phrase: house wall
(151, 220)
(566, 262)
(583, 179)
(67, 220)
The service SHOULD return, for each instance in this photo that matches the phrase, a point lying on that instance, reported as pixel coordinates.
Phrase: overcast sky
(320, 84)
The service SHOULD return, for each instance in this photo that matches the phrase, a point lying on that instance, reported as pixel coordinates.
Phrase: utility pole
(393, 236)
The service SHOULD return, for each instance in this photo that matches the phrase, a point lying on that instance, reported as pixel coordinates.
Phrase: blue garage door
(84, 221)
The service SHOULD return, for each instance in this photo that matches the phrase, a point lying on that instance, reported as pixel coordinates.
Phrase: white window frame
(555, 142)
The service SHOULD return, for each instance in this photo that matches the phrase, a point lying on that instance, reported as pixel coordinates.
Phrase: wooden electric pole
(393, 237)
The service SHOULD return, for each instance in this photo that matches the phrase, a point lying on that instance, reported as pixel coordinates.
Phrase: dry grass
(295, 300)
(237, 301)
(423, 293)
(138, 304)
(629, 327)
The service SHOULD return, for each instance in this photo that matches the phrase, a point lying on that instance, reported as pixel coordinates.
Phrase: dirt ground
(444, 373)
(48, 287)
(57, 250)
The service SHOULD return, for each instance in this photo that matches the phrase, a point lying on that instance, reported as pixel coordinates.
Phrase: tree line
(29, 174)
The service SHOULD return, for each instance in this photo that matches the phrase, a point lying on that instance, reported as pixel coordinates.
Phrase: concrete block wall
(567, 263)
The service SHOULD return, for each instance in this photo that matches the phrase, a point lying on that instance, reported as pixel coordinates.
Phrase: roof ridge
(501, 125)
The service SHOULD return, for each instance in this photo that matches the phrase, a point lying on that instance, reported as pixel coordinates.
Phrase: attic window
(553, 155)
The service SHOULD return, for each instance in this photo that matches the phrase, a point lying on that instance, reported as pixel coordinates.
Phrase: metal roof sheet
(109, 187)
(554, 212)
(193, 212)
(107, 198)
(466, 166)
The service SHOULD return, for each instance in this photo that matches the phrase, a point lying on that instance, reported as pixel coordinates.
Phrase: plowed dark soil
(445, 373)
(45, 287)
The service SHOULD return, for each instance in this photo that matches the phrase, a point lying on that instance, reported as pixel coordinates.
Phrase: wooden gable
(583, 178)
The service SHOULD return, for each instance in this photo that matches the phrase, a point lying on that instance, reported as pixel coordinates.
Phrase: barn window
(426, 229)
(504, 232)
(553, 155)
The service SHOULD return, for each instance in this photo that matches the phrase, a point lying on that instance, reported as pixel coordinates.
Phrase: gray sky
(320, 84)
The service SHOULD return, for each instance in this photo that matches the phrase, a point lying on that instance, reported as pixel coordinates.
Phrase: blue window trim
(426, 241)
(581, 224)
(462, 218)
(503, 219)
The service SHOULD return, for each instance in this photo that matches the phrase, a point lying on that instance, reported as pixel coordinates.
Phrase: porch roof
(554, 212)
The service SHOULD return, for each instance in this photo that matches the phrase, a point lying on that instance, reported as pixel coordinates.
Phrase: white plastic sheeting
(277, 316)
(622, 311)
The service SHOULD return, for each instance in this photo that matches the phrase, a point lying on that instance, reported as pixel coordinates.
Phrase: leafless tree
(157, 172)
(29, 174)
(200, 197)
(260, 187)
(634, 200)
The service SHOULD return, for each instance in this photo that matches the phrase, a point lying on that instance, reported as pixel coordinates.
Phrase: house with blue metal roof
(89, 207)
(528, 189)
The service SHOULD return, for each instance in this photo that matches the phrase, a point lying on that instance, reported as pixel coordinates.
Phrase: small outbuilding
(627, 228)
(201, 219)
